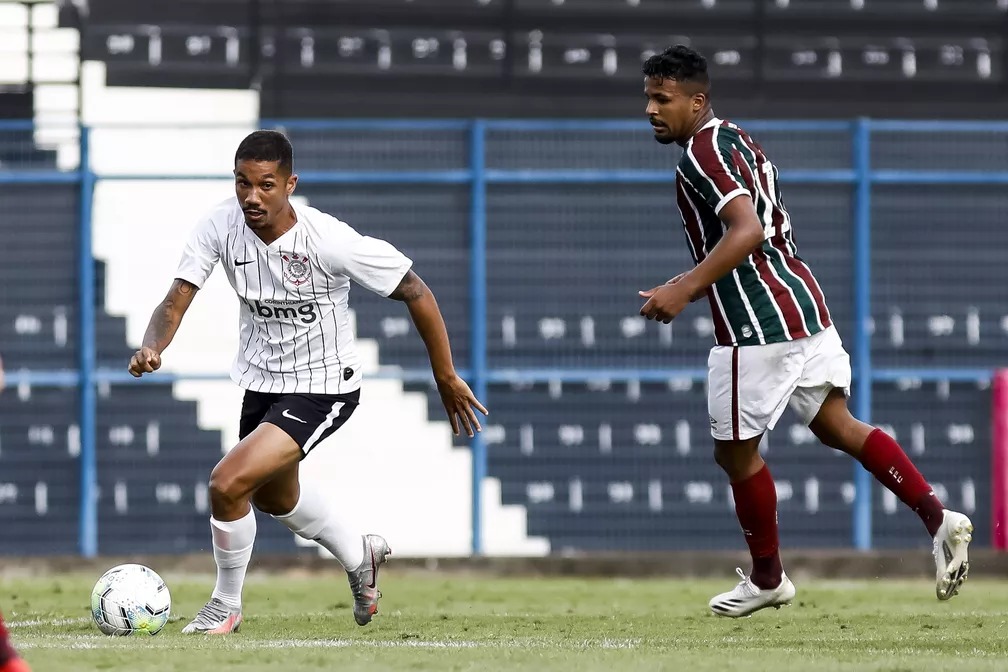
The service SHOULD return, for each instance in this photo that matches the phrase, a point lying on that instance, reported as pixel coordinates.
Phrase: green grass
(443, 622)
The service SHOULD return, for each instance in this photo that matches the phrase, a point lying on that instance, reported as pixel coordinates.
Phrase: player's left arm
(458, 399)
(744, 234)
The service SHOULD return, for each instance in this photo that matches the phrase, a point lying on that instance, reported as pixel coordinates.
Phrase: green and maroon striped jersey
(773, 296)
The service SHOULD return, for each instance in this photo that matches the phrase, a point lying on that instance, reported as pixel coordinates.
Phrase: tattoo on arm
(168, 315)
(410, 288)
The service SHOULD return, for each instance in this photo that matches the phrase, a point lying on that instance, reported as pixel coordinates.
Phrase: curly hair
(679, 63)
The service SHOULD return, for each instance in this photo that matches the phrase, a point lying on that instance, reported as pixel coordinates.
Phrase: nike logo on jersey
(287, 414)
(242, 263)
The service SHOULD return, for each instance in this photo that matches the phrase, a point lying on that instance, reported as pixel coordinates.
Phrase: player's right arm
(161, 329)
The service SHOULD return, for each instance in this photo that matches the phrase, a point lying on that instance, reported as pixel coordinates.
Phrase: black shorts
(307, 418)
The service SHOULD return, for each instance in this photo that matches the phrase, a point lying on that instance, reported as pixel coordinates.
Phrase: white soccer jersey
(294, 325)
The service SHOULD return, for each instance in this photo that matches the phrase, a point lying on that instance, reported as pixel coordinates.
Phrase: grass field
(440, 622)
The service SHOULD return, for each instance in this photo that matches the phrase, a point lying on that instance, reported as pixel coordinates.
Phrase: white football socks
(314, 518)
(232, 549)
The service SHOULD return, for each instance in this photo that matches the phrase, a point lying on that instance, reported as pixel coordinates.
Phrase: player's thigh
(256, 459)
(748, 388)
(836, 427)
(291, 426)
(826, 367)
(310, 418)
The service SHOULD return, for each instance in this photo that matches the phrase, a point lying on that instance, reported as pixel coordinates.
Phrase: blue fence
(478, 177)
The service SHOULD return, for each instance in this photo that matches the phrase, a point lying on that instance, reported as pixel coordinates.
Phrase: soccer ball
(130, 599)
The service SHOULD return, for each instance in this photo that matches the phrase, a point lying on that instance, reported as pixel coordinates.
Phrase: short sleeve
(370, 262)
(710, 168)
(200, 254)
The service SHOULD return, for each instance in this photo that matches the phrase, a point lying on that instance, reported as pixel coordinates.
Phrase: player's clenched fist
(145, 360)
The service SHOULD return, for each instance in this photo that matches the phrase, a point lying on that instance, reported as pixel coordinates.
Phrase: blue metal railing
(862, 314)
(478, 316)
(88, 393)
(480, 372)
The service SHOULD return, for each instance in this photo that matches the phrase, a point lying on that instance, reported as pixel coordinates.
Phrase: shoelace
(212, 612)
(745, 586)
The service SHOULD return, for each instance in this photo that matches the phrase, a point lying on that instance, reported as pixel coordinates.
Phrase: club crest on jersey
(296, 269)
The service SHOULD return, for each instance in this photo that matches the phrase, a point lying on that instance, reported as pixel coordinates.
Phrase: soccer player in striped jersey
(291, 267)
(775, 340)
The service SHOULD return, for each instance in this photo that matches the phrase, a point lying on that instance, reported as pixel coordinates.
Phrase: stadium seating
(874, 9)
(17, 147)
(541, 57)
(617, 465)
(599, 465)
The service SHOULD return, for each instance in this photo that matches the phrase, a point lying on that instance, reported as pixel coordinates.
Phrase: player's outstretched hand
(144, 360)
(459, 402)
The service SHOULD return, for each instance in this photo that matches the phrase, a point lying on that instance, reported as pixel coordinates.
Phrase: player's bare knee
(723, 459)
(841, 431)
(227, 489)
(736, 458)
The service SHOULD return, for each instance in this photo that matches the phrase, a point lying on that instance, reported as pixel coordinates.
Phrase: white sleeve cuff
(729, 196)
(191, 277)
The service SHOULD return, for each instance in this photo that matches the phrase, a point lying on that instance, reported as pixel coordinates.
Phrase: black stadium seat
(492, 58)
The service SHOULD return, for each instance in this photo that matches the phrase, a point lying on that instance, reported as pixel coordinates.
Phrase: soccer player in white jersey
(775, 341)
(291, 267)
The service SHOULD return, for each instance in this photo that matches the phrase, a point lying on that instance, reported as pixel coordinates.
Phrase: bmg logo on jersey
(302, 311)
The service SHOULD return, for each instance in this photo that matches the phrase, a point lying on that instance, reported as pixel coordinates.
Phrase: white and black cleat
(747, 598)
(951, 554)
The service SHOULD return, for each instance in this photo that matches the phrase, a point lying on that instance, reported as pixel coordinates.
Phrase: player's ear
(291, 183)
(699, 101)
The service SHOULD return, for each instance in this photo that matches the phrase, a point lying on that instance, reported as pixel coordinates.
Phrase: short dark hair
(267, 146)
(679, 63)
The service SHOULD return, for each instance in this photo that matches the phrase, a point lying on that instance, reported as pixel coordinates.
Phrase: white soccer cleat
(364, 579)
(951, 553)
(747, 597)
(215, 618)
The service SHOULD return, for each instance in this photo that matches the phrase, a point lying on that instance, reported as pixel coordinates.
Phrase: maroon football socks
(756, 508)
(884, 458)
